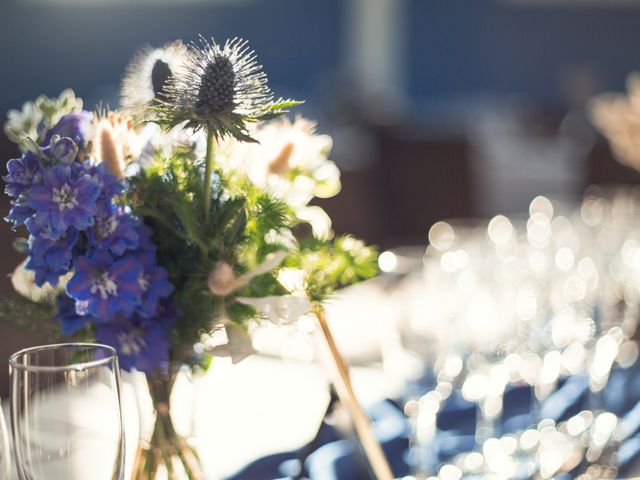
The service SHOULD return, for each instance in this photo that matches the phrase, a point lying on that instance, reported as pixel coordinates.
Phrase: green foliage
(276, 109)
(37, 317)
(168, 195)
(245, 224)
(24, 314)
(335, 264)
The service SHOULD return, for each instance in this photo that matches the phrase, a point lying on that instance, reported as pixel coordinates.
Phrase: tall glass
(66, 412)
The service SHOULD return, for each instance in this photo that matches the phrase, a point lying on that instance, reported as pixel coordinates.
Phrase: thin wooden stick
(362, 424)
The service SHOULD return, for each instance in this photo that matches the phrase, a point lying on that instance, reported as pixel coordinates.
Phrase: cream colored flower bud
(281, 164)
(107, 149)
(24, 282)
(222, 279)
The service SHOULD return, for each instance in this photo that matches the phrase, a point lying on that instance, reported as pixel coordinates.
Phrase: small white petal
(318, 219)
(281, 310)
(238, 345)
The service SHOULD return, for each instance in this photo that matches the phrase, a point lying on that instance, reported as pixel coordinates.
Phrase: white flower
(24, 282)
(290, 161)
(284, 309)
(23, 123)
(41, 114)
(318, 219)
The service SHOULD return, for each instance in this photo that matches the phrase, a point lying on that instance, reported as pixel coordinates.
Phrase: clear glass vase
(166, 450)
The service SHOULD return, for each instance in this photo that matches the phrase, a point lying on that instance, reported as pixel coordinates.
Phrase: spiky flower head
(221, 89)
(147, 76)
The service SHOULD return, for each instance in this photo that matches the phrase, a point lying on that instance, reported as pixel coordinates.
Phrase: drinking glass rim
(13, 359)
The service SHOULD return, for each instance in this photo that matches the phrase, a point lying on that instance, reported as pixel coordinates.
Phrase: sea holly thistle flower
(147, 76)
(64, 200)
(221, 89)
(108, 286)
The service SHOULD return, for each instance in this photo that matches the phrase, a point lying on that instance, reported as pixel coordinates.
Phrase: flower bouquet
(183, 214)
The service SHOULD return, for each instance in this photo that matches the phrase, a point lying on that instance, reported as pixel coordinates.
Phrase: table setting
(205, 321)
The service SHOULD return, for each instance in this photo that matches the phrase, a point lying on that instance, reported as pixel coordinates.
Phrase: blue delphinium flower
(110, 286)
(19, 213)
(62, 150)
(110, 185)
(23, 172)
(50, 259)
(154, 282)
(64, 200)
(142, 343)
(68, 206)
(146, 245)
(115, 230)
(70, 320)
(74, 125)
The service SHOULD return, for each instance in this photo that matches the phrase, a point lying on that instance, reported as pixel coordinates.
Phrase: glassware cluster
(513, 313)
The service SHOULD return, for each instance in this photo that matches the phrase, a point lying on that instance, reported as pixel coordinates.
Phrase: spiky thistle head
(147, 76)
(221, 89)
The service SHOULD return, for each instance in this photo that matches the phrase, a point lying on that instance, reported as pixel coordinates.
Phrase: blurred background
(437, 109)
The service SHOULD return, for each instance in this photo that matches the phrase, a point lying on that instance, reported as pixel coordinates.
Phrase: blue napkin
(336, 458)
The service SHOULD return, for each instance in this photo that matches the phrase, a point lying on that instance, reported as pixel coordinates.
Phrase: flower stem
(368, 441)
(167, 450)
(208, 172)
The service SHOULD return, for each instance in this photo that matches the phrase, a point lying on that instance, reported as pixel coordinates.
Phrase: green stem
(208, 173)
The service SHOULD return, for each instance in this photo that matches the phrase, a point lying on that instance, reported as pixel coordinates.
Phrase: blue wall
(454, 47)
(462, 47)
(46, 49)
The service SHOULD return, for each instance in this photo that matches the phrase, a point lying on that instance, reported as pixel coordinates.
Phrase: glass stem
(208, 173)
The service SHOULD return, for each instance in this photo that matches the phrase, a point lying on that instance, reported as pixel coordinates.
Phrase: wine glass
(66, 412)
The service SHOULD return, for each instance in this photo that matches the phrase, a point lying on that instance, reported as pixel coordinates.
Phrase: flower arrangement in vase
(181, 214)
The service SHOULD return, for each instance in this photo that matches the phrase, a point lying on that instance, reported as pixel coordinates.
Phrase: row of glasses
(527, 301)
(66, 414)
